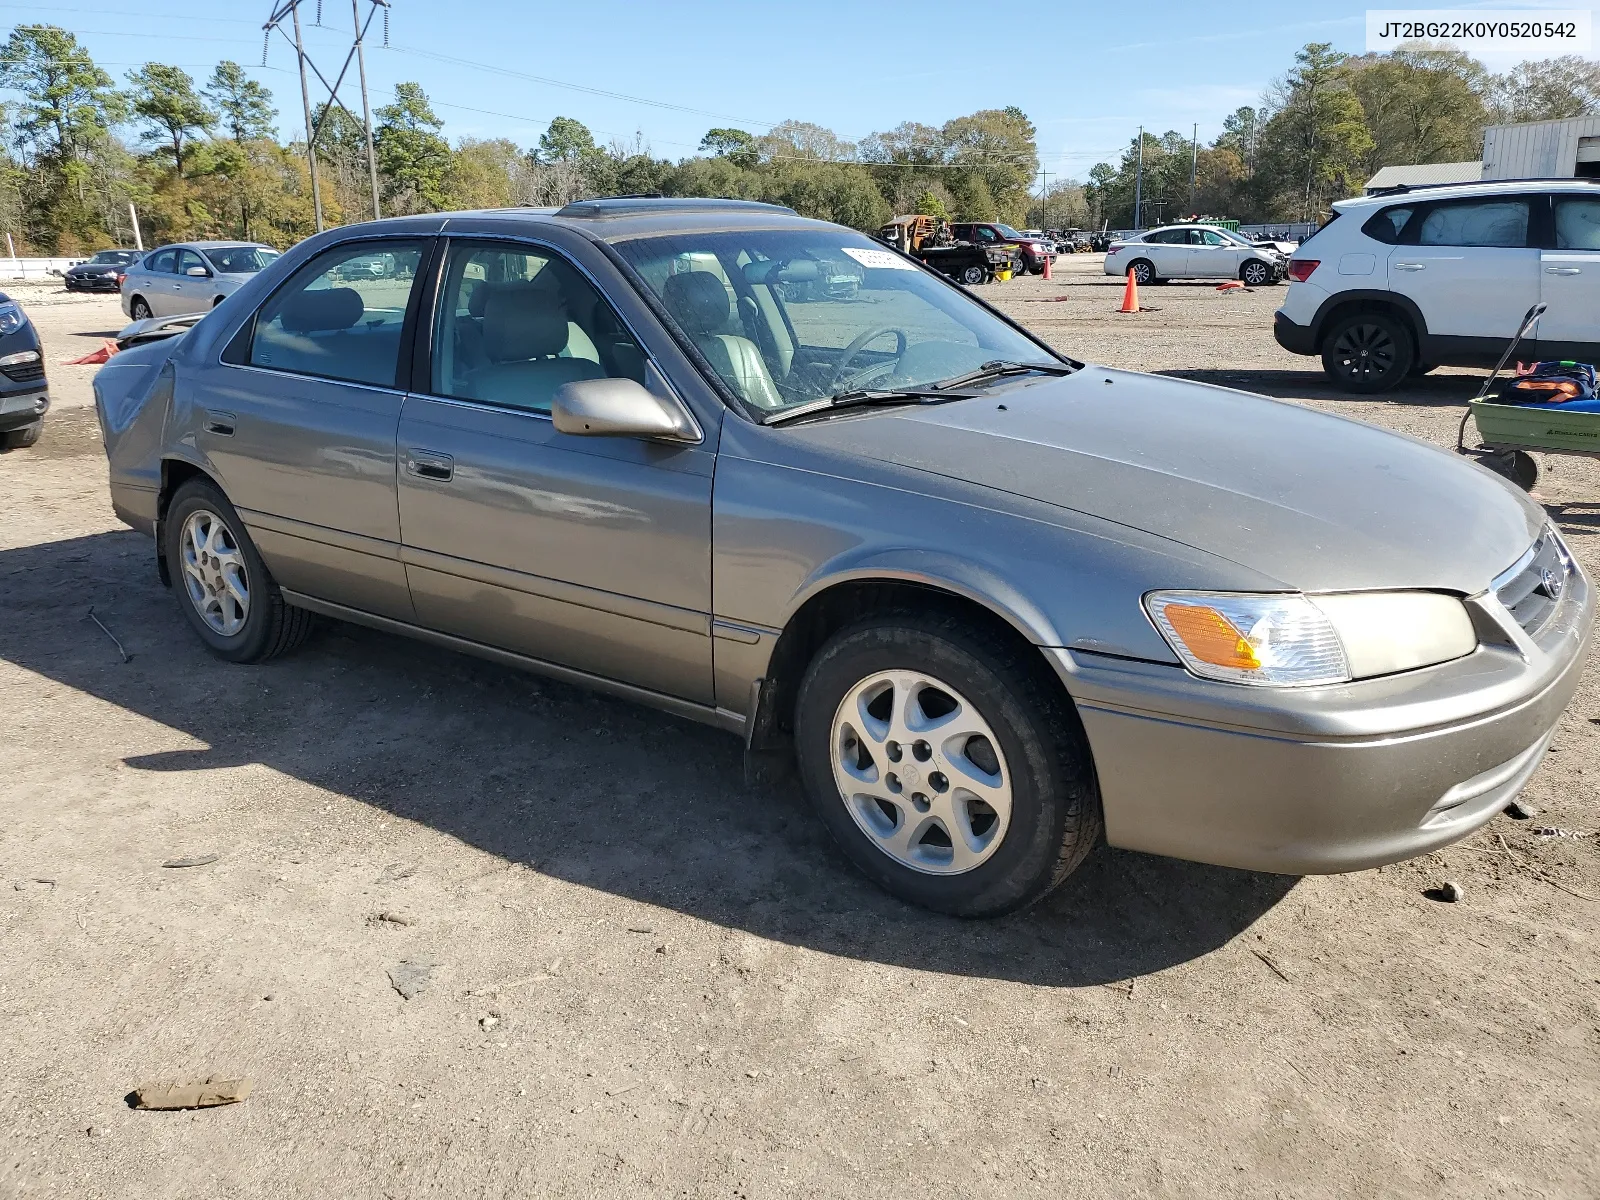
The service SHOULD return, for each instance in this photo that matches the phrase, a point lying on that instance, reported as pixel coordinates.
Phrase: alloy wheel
(214, 574)
(921, 772)
(1365, 352)
(1255, 274)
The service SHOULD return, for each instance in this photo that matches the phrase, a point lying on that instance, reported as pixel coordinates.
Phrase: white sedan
(1194, 252)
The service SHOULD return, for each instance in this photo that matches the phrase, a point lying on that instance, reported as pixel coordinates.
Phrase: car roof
(1480, 187)
(211, 246)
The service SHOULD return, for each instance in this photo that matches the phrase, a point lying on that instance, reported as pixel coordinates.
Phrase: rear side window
(1577, 223)
(1384, 225)
(1496, 222)
(341, 315)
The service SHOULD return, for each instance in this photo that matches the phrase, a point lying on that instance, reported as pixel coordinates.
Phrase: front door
(593, 553)
(299, 420)
(1471, 269)
(160, 272)
(1212, 256)
(1570, 327)
(191, 293)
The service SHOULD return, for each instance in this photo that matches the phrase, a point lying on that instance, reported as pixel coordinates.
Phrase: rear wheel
(1367, 352)
(951, 771)
(139, 310)
(1516, 465)
(224, 589)
(974, 275)
(1142, 270)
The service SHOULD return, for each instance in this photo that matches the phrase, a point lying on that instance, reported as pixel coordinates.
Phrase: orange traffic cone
(1130, 296)
(1047, 267)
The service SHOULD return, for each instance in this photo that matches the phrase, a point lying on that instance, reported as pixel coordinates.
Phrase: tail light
(1113, 249)
(1300, 268)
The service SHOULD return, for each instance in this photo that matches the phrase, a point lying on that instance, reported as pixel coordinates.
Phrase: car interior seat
(699, 302)
(525, 330)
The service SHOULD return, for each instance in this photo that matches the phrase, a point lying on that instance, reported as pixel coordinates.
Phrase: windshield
(791, 316)
(1236, 237)
(1007, 231)
(240, 260)
(117, 258)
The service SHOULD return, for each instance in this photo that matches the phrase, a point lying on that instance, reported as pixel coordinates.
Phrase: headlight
(11, 318)
(1294, 640)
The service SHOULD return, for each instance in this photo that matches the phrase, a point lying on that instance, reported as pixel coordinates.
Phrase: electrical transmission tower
(289, 10)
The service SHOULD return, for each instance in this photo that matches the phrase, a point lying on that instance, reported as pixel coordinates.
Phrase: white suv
(1400, 283)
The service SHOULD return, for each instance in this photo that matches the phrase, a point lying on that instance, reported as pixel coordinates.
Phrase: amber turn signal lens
(1211, 637)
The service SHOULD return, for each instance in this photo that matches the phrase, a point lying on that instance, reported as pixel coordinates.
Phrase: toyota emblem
(1553, 583)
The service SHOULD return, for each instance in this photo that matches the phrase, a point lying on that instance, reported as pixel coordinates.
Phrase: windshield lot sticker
(879, 258)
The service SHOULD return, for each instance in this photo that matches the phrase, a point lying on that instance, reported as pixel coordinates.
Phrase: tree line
(1328, 125)
(202, 158)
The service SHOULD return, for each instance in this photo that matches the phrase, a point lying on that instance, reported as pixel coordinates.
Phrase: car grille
(24, 372)
(1531, 589)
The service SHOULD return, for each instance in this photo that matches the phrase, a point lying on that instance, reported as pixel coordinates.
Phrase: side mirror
(619, 408)
(198, 272)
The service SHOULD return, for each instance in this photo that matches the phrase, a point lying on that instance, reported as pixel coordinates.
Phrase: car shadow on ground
(581, 787)
(1441, 391)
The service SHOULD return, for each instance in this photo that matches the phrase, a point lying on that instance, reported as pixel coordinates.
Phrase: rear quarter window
(1386, 224)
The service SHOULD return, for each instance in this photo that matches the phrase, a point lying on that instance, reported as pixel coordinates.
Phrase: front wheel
(224, 589)
(974, 275)
(1367, 352)
(947, 765)
(20, 439)
(1255, 273)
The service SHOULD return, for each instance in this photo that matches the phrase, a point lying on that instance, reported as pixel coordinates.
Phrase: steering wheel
(860, 343)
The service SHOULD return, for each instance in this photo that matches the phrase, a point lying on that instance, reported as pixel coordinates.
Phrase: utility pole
(1044, 197)
(357, 54)
(305, 103)
(1138, 185)
(1194, 167)
(366, 107)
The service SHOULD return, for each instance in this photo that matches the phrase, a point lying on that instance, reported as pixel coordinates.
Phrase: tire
(1419, 369)
(267, 625)
(21, 439)
(1516, 465)
(1040, 757)
(138, 310)
(1367, 352)
(1255, 273)
(1143, 271)
(974, 275)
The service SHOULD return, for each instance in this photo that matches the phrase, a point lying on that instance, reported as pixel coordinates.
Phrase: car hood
(1312, 501)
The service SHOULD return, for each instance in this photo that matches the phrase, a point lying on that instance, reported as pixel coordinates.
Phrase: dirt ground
(643, 979)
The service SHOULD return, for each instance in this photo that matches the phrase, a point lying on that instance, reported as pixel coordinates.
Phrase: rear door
(1570, 280)
(299, 419)
(1471, 267)
(158, 274)
(1168, 252)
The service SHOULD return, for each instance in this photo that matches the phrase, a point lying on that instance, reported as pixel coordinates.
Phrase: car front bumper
(21, 407)
(93, 283)
(1314, 781)
(1296, 339)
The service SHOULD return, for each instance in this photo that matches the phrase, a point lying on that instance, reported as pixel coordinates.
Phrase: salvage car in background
(102, 273)
(24, 394)
(1193, 252)
(990, 598)
(190, 277)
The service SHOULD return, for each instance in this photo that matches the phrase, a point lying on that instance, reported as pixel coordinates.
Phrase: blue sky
(1087, 75)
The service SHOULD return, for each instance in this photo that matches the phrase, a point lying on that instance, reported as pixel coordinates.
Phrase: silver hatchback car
(190, 277)
(988, 600)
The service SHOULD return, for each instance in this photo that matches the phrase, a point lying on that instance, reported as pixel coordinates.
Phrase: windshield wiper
(999, 368)
(863, 397)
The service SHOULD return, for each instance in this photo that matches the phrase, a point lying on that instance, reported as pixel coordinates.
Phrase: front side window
(1577, 223)
(241, 260)
(515, 322)
(162, 260)
(1502, 223)
(188, 259)
(789, 316)
(1212, 238)
(336, 323)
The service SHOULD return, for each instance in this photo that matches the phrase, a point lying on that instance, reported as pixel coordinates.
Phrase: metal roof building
(1422, 173)
(1542, 149)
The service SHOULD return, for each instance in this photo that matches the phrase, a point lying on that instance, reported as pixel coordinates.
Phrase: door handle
(1411, 266)
(1563, 270)
(425, 464)
(218, 422)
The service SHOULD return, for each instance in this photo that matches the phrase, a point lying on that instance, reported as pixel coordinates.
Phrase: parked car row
(995, 603)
